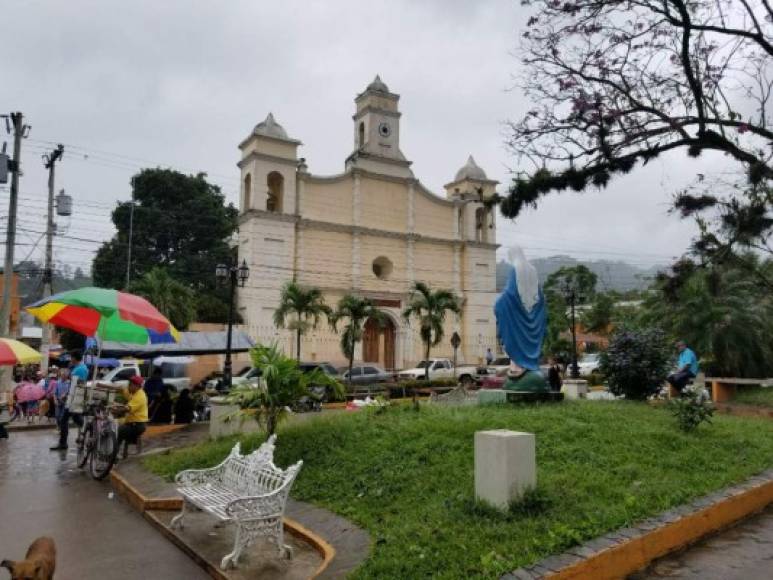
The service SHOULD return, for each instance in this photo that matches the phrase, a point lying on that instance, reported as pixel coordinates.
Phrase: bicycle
(97, 440)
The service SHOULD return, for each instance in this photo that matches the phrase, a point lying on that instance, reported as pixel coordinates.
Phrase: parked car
(440, 368)
(326, 368)
(588, 364)
(495, 380)
(366, 374)
(119, 376)
(499, 363)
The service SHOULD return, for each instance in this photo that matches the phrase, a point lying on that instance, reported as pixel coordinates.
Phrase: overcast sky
(126, 85)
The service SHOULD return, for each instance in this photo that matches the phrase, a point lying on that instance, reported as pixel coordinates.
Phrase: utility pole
(129, 251)
(20, 130)
(49, 161)
(15, 122)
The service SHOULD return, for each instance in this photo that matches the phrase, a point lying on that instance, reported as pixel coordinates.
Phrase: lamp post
(570, 293)
(456, 341)
(233, 275)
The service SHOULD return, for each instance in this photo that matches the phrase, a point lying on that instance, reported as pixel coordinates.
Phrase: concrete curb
(625, 551)
(146, 506)
(739, 410)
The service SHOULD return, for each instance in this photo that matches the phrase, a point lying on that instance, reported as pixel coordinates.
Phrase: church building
(372, 230)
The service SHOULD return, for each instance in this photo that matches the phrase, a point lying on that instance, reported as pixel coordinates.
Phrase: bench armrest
(257, 506)
(199, 476)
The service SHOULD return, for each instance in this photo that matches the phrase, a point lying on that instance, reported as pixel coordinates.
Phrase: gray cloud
(180, 84)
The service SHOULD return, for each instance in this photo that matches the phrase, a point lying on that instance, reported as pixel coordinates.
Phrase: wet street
(97, 537)
(744, 552)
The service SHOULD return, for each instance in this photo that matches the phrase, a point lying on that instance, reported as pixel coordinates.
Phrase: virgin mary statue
(521, 322)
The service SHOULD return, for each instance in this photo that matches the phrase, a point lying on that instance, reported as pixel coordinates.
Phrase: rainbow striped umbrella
(13, 352)
(107, 314)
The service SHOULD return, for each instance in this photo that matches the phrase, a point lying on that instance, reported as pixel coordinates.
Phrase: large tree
(182, 224)
(724, 314)
(356, 311)
(557, 287)
(300, 309)
(172, 298)
(618, 82)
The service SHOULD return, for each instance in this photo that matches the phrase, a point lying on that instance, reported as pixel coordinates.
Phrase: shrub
(692, 408)
(636, 362)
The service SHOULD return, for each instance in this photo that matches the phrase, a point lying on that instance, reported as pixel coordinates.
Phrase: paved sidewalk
(744, 552)
(43, 493)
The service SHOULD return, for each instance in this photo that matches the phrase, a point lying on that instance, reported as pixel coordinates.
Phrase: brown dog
(39, 564)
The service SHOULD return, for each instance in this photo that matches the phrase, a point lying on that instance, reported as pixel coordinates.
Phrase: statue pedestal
(575, 388)
(505, 466)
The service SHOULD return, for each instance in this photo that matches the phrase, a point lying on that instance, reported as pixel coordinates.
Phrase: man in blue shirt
(78, 374)
(687, 367)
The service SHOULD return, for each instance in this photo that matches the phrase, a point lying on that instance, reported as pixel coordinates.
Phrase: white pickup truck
(440, 368)
(119, 377)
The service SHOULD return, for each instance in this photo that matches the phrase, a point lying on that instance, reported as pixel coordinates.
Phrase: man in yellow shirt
(136, 417)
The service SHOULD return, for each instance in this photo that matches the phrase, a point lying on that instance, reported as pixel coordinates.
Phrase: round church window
(382, 268)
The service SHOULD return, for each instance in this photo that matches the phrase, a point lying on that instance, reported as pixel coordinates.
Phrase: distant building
(372, 230)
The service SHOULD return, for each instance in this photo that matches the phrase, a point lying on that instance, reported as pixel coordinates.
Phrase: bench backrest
(249, 478)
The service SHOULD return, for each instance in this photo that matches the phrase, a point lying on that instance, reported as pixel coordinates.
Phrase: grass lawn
(407, 478)
(759, 396)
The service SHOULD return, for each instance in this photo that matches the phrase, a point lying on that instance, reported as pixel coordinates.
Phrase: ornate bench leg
(232, 559)
(177, 521)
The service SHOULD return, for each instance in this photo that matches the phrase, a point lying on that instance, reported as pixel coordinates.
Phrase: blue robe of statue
(521, 330)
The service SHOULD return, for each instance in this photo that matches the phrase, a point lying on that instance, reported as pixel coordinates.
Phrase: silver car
(366, 374)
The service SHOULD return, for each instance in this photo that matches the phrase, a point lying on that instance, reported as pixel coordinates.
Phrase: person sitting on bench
(136, 409)
(687, 367)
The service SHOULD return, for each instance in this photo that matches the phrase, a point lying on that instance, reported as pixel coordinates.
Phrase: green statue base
(527, 382)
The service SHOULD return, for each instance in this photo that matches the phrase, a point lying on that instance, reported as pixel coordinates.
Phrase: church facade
(372, 230)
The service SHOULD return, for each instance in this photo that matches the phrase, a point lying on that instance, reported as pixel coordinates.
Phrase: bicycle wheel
(86, 444)
(103, 454)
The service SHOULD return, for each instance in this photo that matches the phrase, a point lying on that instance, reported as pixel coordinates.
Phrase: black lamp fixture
(233, 275)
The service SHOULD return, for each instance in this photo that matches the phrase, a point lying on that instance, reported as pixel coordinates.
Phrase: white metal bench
(248, 490)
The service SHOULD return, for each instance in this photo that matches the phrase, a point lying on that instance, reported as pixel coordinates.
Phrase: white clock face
(384, 130)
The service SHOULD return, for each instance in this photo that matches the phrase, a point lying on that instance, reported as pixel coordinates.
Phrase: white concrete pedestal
(505, 466)
(574, 388)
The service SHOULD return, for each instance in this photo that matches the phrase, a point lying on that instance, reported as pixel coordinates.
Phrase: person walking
(79, 374)
(489, 357)
(136, 418)
(688, 367)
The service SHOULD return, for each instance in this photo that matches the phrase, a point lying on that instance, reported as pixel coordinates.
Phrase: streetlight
(456, 341)
(234, 275)
(569, 291)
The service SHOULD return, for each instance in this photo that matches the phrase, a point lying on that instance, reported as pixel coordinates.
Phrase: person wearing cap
(136, 409)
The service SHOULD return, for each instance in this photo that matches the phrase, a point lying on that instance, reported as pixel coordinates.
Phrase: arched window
(247, 193)
(480, 220)
(361, 135)
(460, 223)
(276, 184)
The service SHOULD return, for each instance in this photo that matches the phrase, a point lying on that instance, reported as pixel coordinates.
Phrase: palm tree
(283, 384)
(430, 308)
(357, 311)
(306, 304)
(172, 298)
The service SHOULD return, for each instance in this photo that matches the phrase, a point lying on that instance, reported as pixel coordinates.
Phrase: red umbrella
(29, 392)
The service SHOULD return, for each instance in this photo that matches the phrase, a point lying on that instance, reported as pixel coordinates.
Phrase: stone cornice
(378, 110)
(365, 231)
(266, 157)
(247, 139)
(359, 153)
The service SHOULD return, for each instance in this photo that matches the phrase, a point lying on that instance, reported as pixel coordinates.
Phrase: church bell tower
(377, 133)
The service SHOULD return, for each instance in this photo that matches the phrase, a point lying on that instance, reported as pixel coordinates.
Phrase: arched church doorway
(378, 343)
